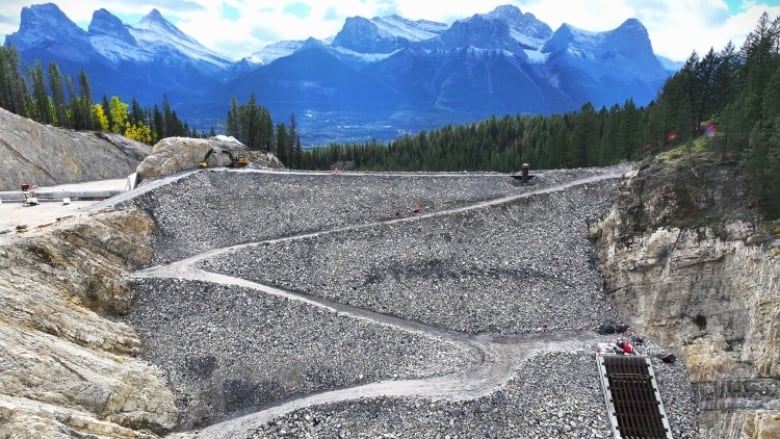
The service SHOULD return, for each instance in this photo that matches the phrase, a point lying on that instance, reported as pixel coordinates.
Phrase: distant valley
(377, 78)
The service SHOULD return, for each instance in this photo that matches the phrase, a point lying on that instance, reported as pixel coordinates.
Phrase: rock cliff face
(43, 155)
(690, 264)
(69, 364)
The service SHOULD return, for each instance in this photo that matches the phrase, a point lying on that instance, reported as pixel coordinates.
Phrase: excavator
(236, 160)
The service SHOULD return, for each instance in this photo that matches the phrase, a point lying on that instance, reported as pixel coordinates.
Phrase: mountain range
(377, 78)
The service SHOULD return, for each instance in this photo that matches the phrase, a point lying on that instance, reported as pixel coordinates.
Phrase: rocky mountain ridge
(377, 78)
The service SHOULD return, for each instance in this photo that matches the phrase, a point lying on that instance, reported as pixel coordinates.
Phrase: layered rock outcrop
(690, 264)
(69, 363)
(43, 155)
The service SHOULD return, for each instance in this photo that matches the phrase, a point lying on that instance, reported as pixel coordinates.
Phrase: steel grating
(633, 402)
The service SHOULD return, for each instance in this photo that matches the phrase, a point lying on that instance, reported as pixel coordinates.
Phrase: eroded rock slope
(70, 365)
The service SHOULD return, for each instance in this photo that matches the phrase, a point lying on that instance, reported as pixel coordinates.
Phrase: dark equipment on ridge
(610, 328)
(236, 160)
(524, 176)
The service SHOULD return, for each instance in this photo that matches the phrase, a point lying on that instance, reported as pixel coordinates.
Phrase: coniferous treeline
(51, 98)
(732, 95)
(252, 125)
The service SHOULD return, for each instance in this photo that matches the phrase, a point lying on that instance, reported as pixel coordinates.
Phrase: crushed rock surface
(554, 395)
(522, 266)
(215, 208)
(227, 350)
(503, 269)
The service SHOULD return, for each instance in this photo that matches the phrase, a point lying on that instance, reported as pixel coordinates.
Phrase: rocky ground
(504, 269)
(554, 395)
(323, 305)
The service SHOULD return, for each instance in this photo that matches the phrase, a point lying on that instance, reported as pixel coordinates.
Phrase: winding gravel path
(478, 357)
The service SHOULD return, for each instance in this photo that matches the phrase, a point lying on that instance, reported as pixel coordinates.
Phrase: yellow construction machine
(237, 160)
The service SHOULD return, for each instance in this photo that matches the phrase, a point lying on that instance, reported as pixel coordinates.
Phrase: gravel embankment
(503, 269)
(214, 209)
(227, 350)
(572, 406)
(517, 267)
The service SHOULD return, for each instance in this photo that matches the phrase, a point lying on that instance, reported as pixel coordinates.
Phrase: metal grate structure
(633, 402)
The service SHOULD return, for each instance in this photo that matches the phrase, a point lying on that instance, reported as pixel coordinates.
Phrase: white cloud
(676, 27)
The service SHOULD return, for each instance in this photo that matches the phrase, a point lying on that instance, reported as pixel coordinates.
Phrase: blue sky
(237, 28)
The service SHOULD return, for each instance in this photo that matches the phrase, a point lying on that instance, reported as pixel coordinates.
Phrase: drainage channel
(633, 402)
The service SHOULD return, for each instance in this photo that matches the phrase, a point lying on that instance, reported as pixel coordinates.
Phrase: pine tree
(282, 144)
(585, 137)
(232, 127)
(169, 125)
(85, 100)
(13, 90)
(58, 96)
(74, 107)
(761, 160)
(158, 122)
(42, 110)
(250, 123)
(266, 129)
(294, 141)
(136, 115)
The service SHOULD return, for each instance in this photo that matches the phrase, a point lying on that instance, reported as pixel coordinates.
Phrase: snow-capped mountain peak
(154, 16)
(362, 35)
(400, 27)
(273, 51)
(627, 42)
(525, 28)
(479, 31)
(112, 38)
(155, 29)
(573, 39)
(105, 23)
(384, 35)
(38, 22)
(161, 36)
(48, 27)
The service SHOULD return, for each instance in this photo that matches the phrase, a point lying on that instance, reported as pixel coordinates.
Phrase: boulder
(174, 154)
